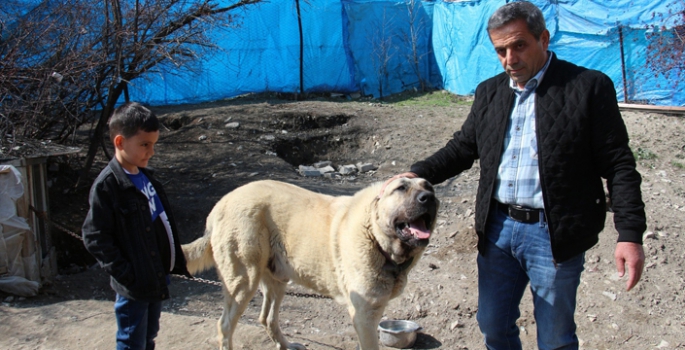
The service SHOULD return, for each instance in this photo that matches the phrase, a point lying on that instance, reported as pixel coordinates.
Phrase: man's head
(134, 131)
(518, 33)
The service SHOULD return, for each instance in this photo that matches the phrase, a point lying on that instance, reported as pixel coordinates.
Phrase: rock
(663, 344)
(309, 171)
(647, 235)
(202, 137)
(322, 164)
(348, 169)
(326, 169)
(610, 295)
(232, 125)
(364, 167)
(333, 175)
(456, 324)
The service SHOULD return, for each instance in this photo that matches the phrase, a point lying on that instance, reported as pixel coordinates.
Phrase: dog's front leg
(365, 317)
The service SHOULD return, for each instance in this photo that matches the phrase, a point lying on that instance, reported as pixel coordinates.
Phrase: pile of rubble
(326, 169)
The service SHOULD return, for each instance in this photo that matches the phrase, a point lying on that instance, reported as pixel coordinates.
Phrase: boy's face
(134, 152)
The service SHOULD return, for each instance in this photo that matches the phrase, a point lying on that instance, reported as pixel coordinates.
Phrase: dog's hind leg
(274, 291)
(238, 291)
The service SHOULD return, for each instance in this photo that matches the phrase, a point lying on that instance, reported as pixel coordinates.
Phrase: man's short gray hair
(519, 10)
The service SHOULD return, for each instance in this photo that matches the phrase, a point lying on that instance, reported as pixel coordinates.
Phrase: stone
(364, 167)
(326, 169)
(309, 171)
(322, 164)
(348, 169)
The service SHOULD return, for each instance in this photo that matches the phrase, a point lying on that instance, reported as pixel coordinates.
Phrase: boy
(129, 228)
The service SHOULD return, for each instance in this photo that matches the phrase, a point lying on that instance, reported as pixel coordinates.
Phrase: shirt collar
(534, 81)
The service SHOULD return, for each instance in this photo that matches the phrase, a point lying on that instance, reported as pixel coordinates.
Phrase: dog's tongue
(418, 229)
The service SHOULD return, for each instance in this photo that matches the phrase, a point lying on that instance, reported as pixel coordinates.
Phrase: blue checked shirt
(518, 177)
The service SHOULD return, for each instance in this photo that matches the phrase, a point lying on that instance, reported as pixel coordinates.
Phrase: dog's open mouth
(417, 228)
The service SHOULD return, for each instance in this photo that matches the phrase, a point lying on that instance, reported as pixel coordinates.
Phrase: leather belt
(519, 213)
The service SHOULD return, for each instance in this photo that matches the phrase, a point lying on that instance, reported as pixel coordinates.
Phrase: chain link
(44, 216)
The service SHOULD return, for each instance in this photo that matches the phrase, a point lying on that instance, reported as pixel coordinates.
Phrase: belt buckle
(516, 210)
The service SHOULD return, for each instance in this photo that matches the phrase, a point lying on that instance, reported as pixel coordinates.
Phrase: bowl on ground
(398, 333)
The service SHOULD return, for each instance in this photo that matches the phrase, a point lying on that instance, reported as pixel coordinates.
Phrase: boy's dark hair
(519, 10)
(131, 117)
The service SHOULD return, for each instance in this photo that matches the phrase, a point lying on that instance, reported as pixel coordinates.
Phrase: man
(546, 132)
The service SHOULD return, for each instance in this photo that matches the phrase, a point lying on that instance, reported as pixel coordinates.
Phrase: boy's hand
(409, 175)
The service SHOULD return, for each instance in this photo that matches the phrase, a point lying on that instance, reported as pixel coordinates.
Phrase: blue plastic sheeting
(584, 32)
(364, 45)
(599, 17)
(389, 45)
(367, 46)
(263, 54)
(348, 47)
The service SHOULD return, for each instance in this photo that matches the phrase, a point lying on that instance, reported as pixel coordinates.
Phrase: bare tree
(666, 44)
(412, 37)
(382, 50)
(68, 58)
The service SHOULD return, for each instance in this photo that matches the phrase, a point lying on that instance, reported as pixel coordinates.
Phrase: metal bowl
(398, 333)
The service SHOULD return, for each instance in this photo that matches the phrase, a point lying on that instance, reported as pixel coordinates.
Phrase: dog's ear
(373, 208)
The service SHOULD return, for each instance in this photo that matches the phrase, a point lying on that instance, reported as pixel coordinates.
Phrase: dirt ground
(200, 157)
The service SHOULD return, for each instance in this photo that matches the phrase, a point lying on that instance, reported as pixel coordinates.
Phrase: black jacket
(119, 233)
(581, 139)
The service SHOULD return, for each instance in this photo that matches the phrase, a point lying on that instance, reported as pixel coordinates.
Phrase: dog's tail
(199, 255)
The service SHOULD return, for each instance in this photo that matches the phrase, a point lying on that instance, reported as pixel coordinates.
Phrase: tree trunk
(95, 142)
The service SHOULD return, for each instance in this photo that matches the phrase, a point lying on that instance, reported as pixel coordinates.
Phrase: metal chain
(296, 294)
(308, 295)
(44, 216)
(198, 279)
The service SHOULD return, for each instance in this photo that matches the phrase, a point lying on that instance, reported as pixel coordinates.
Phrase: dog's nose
(425, 197)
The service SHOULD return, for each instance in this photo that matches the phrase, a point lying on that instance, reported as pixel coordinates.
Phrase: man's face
(521, 55)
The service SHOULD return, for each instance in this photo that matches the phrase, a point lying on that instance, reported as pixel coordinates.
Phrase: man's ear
(119, 142)
(544, 38)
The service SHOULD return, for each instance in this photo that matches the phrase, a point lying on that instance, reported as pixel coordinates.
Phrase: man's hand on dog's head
(409, 175)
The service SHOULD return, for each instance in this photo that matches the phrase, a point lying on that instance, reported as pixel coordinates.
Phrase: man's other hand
(632, 256)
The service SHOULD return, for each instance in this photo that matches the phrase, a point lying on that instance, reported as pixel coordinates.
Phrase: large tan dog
(356, 249)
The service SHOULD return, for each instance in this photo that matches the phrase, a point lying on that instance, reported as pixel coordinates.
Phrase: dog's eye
(401, 188)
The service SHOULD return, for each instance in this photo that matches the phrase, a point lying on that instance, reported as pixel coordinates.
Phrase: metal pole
(623, 64)
(299, 23)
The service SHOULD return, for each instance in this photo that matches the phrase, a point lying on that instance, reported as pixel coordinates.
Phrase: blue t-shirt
(156, 209)
(144, 185)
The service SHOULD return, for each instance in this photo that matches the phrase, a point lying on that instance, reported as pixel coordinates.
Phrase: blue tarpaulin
(585, 32)
(387, 46)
